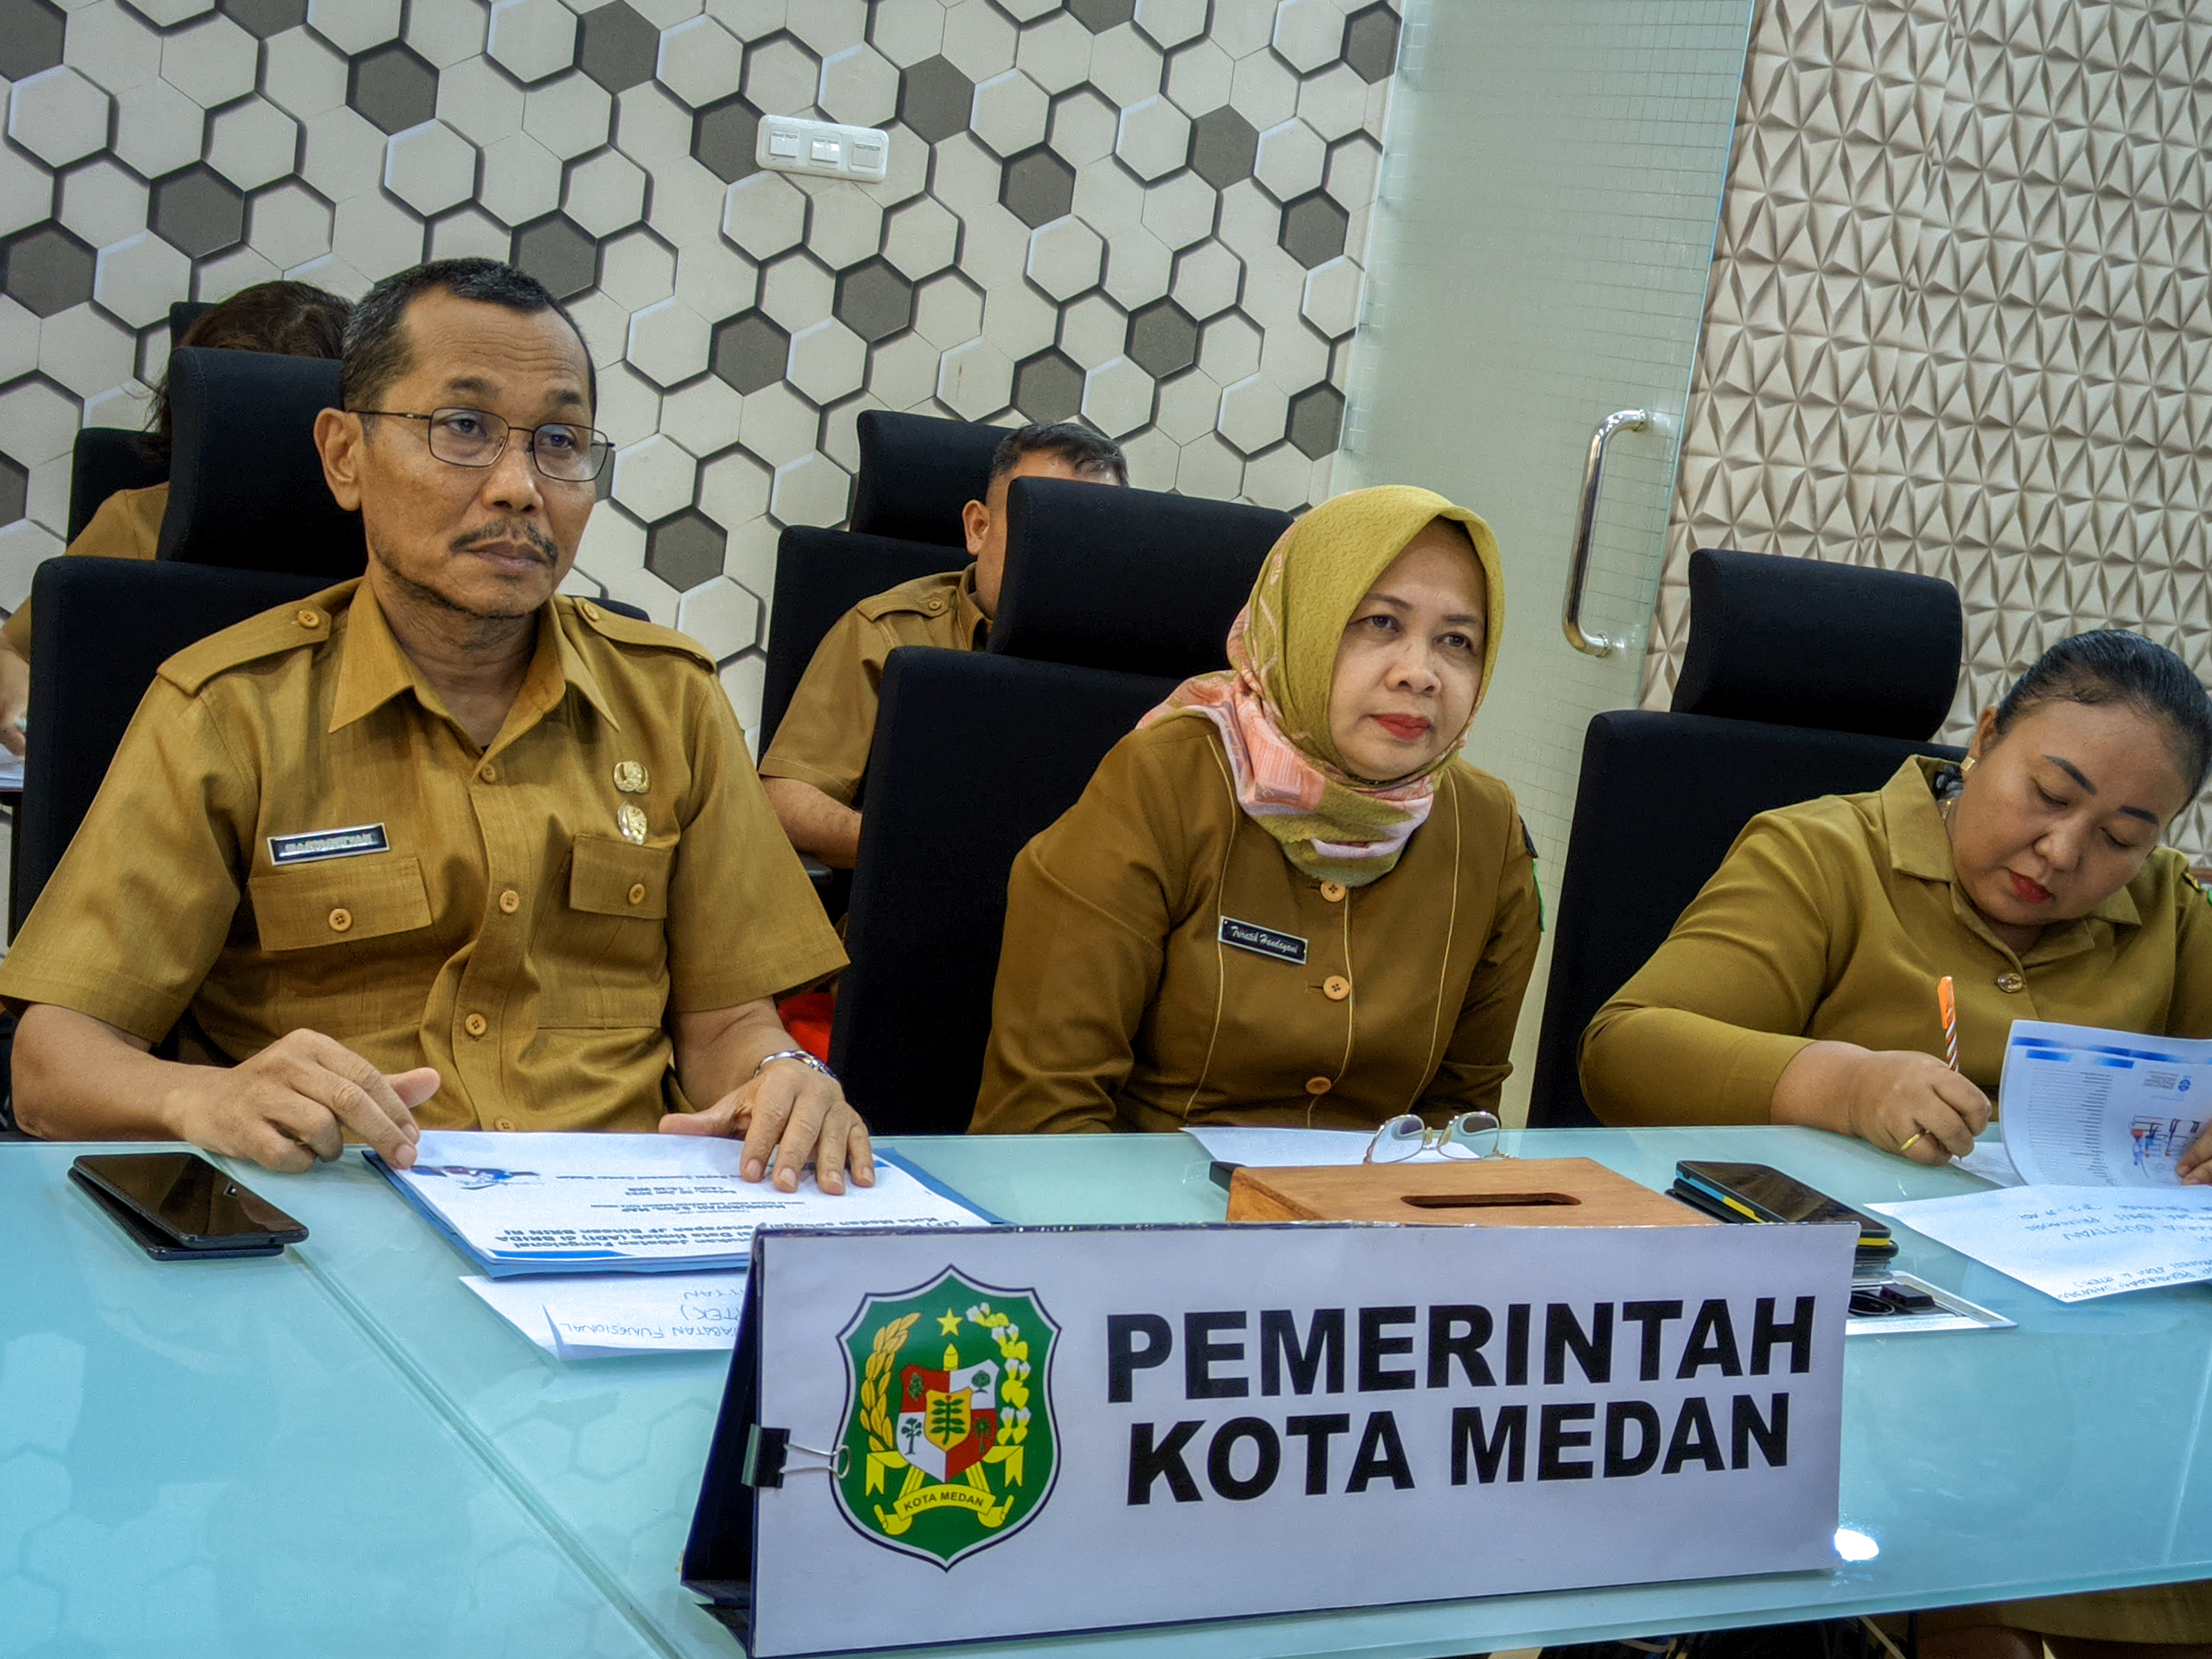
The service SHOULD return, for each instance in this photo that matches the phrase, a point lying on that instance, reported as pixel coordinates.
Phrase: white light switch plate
(787, 144)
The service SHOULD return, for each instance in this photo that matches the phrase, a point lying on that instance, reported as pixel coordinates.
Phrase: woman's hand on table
(1898, 1099)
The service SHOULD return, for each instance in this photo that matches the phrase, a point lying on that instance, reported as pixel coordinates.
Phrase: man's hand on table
(296, 1101)
(2195, 1167)
(798, 1113)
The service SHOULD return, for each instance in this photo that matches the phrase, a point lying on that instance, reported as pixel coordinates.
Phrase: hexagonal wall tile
(157, 129)
(1038, 187)
(1334, 102)
(1289, 160)
(781, 77)
(1315, 420)
(1208, 280)
(724, 136)
(811, 490)
(734, 488)
(198, 211)
(568, 114)
(1314, 230)
(858, 87)
(210, 62)
(979, 38)
(101, 203)
(685, 551)
(1163, 339)
(1309, 32)
(108, 46)
(669, 343)
(303, 73)
(84, 350)
(703, 415)
(467, 234)
(845, 225)
(1253, 411)
(446, 32)
(393, 87)
(533, 39)
(559, 254)
(1154, 138)
(1331, 300)
(617, 47)
(719, 614)
(1371, 42)
(934, 99)
(653, 479)
(1117, 398)
(605, 193)
(778, 425)
(1064, 257)
(1198, 77)
(903, 372)
(974, 380)
(874, 301)
(289, 225)
(1010, 112)
(920, 237)
(1179, 210)
(57, 115)
(431, 167)
(750, 351)
(521, 179)
(700, 61)
(827, 361)
(764, 215)
(796, 291)
(354, 26)
(137, 278)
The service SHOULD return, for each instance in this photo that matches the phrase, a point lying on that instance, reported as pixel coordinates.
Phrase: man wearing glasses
(435, 847)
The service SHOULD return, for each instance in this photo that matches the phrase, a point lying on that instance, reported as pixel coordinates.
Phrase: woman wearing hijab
(1284, 899)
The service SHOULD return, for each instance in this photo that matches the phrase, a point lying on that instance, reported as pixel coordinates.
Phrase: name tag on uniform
(318, 845)
(1263, 941)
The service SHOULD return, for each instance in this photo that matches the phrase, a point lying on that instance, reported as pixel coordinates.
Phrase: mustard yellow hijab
(1271, 705)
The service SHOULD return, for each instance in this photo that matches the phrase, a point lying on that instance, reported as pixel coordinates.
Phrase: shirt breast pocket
(349, 901)
(349, 943)
(605, 953)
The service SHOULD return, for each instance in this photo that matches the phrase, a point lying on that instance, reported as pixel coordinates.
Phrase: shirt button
(1336, 987)
(308, 618)
(341, 920)
(936, 603)
(1318, 1085)
(488, 772)
(637, 892)
(2011, 982)
(510, 901)
(474, 1024)
(591, 611)
(502, 1123)
(1333, 890)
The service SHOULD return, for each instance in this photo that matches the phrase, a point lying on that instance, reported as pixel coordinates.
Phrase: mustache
(512, 530)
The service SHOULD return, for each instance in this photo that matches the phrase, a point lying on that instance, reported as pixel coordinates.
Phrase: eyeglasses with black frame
(559, 450)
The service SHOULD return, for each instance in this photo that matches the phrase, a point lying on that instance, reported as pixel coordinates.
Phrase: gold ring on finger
(1908, 1145)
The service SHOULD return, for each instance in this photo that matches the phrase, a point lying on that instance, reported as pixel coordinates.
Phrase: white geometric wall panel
(1957, 321)
(1148, 215)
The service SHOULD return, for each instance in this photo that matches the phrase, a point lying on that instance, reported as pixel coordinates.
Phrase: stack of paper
(595, 1316)
(635, 1203)
(2090, 1203)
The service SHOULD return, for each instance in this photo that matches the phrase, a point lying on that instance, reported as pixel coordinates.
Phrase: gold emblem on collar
(632, 820)
(631, 778)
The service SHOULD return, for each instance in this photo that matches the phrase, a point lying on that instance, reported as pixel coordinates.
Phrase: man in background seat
(812, 770)
(435, 846)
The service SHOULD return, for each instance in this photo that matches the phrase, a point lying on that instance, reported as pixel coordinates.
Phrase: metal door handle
(1571, 614)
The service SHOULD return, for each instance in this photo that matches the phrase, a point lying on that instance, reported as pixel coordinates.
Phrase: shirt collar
(373, 669)
(1920, 846)
(974, 626)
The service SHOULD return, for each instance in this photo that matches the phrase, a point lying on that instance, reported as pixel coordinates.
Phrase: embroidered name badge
(1263, 941)
(317, 845)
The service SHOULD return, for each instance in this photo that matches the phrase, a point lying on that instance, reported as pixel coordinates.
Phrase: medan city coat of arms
(949, 1441)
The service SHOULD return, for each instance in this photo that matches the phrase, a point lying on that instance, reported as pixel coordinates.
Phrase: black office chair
(103, 461)
(1801, 679)
(820, 574)
(1126, 579)
(183, 313)
(946, 814)
(917, 472)
(100, 628)
(246, 480)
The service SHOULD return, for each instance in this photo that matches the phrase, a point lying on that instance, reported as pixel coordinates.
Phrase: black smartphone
(181, 1203)
(1771, 1196)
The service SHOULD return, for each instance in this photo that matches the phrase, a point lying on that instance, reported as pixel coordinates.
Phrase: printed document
(2089, 1108)
(597, 1316)
(635, 1203)
(1274, 1148)
(2074, 1243)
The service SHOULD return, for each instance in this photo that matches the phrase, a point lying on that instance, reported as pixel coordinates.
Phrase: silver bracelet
(800, 1054)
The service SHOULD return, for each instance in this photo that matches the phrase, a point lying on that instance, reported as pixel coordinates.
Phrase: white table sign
(1039, 1430)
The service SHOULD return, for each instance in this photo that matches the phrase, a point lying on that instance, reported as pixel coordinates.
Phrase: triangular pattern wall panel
(1957, 322)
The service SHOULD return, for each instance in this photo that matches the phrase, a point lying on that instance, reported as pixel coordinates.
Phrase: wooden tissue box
(1488, 1192)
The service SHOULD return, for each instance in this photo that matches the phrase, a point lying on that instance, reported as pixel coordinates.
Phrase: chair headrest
(917, 472)
(246, 480)
(1797, 642)
(1105, 576)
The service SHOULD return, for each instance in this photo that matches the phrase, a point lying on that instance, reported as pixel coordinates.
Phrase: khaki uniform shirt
(500, 924)
(824, 736)
(1119, 1006)
(1832, 921)
(128, 525)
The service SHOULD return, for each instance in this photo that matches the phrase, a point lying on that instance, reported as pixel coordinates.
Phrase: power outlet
(787, 144)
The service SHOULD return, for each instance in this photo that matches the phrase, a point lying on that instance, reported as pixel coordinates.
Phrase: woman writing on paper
(1285, 899)
(1799, 987)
